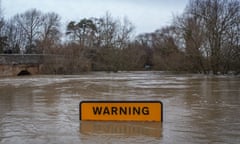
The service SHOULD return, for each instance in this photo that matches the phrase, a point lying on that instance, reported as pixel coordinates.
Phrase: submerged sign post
(121, 111)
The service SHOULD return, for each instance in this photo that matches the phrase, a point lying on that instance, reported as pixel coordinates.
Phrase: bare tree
(50, 34)
(16, 39)
(192, 34)
(107, 31)
(30, 24)
(124, 33)
(113, 36)
(162, 49)
(3, 38)
(32, 31)
(218, 17)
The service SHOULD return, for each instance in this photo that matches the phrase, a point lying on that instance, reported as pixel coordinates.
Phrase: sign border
(120, 101)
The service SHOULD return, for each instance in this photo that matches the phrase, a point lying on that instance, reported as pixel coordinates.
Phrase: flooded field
(45, 109)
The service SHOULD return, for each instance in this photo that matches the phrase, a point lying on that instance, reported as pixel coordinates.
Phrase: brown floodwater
(45, 109)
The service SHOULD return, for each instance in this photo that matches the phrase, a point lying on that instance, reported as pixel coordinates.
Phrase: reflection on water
(120, 132)
(45, 109)
(149, 129)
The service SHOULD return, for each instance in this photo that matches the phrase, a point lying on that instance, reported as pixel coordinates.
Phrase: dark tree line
(204, 39)
(30, 32)
(211, 30)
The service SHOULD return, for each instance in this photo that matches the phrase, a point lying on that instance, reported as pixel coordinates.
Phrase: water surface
(45, 109)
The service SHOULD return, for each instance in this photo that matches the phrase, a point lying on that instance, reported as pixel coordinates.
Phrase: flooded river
(45, 109)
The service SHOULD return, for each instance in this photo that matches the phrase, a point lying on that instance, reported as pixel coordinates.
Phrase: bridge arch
(18, 64)
(25, 69)
(23, 73)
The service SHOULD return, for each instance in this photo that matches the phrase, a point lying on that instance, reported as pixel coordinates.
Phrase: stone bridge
(21, 64)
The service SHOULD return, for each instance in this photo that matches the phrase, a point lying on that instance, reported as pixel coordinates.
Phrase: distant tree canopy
(27, 32)
(216, 33)
(205, 38)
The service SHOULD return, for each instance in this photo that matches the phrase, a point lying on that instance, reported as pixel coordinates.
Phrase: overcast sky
(146, 15)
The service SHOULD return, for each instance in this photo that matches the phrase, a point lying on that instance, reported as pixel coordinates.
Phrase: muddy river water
(45, 109)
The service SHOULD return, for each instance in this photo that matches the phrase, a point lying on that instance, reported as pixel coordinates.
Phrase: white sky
(146, 15)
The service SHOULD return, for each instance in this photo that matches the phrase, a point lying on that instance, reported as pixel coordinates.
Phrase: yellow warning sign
(121, 110)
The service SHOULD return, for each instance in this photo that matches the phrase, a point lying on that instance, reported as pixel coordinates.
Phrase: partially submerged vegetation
(204, 39)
